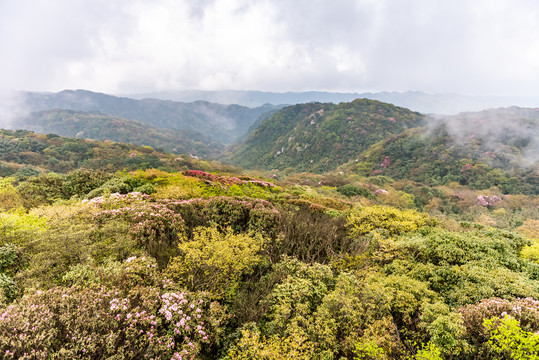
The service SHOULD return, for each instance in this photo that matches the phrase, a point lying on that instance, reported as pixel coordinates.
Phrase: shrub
(125, 317)
(526, 311)
(312, 236)
(252, 345)
(213, 261)
(350, 190)
(507, 338)
(240, 214)
(153, 226)
(387, 220)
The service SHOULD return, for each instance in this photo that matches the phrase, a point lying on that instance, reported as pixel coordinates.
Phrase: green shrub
(386, 220)
(350, 190)
(214, 261)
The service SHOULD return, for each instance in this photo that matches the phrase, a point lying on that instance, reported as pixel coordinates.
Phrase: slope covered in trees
(24, 153)
(489, 148)
(97, 126)
(319, 137)
(179, 258)
(224, 123)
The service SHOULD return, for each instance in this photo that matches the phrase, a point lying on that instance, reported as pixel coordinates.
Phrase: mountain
(448, 104)
(24, 153)
(224, 123)
(497, 147)
(97, 126)
(318, 137)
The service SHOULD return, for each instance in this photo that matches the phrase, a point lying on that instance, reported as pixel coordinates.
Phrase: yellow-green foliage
(252, 346)
(180, 187)
(19, 227)
(366, 350)
(386, 220)
(531, 252)
(214, 261)
(429, 352)
(509, 339)
(10, 198)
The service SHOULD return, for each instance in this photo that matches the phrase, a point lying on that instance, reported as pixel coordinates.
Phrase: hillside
(498, 147)
(318, 137)
(97, 126)
(214, 263)
(25, 153)
(224, 123)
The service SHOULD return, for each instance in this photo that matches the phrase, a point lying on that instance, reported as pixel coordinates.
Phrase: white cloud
(143, 45)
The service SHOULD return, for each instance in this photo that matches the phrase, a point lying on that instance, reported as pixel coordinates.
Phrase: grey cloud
(479, 47)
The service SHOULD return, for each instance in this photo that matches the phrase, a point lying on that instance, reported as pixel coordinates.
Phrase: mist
(509, 135)
(12, 108)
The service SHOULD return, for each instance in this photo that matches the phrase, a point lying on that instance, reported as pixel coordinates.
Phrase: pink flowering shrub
(132, 315)
(386, 163)
(158, 226)
(211, 178)
(483, 200)
(525, 310)
(153, 226)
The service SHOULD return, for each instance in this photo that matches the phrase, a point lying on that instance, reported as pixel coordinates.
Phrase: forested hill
(105, 127)
(318, 137)
(497, 147)
(224, 123)
(25, 153)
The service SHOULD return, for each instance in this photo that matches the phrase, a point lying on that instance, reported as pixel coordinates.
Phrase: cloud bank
(122, 46)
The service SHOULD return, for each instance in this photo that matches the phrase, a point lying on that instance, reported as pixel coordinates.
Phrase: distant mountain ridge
(447, 104)
(97, 126)
(224, 123)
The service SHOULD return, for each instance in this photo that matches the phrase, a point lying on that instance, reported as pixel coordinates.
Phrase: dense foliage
(319, 137)
(24, 153)
(197, 260)
(223, 123)
(105, 127)
(479, 150)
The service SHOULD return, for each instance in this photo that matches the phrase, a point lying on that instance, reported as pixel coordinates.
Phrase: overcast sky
(474, 47)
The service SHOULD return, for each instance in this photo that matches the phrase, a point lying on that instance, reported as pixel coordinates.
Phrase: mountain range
(224, 123)
(97, 126)
(446, 104)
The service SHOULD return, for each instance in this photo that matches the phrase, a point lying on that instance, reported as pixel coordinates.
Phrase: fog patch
(509, 135)
(12, 109)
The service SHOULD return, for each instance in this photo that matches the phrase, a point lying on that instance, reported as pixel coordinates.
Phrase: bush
(385, 220)
(312, 236)
(129, 316)
(215, 262)
(240, 214)
(350, 190)
(526, 311)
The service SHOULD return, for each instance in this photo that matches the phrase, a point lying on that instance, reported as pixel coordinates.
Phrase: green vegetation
(105, 127)
(318, 137)
(189, 259)
(222, 123)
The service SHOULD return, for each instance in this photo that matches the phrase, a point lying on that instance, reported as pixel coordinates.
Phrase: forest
(418, 250)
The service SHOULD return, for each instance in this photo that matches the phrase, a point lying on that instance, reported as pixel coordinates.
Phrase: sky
(472, 47)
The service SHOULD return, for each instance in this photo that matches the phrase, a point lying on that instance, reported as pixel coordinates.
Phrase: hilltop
(318, 137)
(25, 153)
